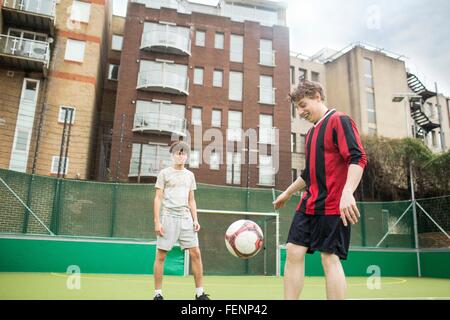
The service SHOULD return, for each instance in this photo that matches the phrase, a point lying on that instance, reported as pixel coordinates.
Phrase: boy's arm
(193, 207)
(156, 211)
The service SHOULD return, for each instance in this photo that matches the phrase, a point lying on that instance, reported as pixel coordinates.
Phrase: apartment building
(215, 76)
(51, 69)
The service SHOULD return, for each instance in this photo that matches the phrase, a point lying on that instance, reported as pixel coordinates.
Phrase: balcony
(149, 167)
(267, 58)
(160, 123)
(163, 81)
(24, 54)
(38, 15)
(166, 42)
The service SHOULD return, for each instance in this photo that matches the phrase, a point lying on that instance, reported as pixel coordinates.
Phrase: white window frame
(71, 45)
(262, 167)
(212, 164)
(199, 42)
(269, 89)
(233, 78)
(196, 164)
(234, 168)
(55, 161)
(80, 11)
(237, 54)
(219, 40)
(117, 44)
(198, 75)
(218, 78)
(234, 133)
(216, 124)
(196, 122)
(61, 114)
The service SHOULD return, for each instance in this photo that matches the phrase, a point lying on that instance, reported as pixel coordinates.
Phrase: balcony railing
(43, 7)
(166, 41)
(267, 58)
(163, 81)
(159, 122)
(267, 95)
(25, 48)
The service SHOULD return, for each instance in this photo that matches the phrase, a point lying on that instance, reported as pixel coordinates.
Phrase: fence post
(114, 208)
(27, 214)
(416, 232)
(55, 211)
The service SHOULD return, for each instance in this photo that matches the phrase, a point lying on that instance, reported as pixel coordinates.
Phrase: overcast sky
(413, 28)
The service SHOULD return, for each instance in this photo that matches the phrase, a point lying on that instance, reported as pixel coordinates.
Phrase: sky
(413, 28)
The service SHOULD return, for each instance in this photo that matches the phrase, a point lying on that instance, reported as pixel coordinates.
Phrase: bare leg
(158, 268)
(197, 266)
(294, 271)
(335, 277)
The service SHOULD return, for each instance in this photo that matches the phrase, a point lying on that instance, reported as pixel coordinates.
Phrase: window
(372, 131)
(217, 78)
(266, 130)
(266, 91)
(64, 165)
(198, 76)
(236, 48)
(233, 168)
(315, 76)
(74, 50)
(235, 86)
(294, 175)
(292, 75)
(216, 120)
(214, 162)
(200, 38)
(266, 55)
(368, 72)
(62, 114)
(113, 73)
(197, 116)
(194, 159)
(120, 8)
(302, 74)
(293, 110)
(433, 138)
(371, 114)
(117, 42)
(293, 142)
(21, 140)
(218, 40)
(266, 172)
(234, 132)
(149, 158)
(80, 11)
(302, 143)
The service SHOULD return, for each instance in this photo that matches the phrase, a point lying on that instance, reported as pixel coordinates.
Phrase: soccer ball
(244, 239)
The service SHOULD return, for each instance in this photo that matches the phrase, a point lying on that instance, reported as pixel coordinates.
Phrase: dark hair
(306, 89)
(178, 146)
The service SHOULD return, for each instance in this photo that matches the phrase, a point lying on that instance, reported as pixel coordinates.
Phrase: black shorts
(320, 233)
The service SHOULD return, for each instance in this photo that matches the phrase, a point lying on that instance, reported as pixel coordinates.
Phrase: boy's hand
(196, 226)
(281, 200)
(348, 208)
(159, 230)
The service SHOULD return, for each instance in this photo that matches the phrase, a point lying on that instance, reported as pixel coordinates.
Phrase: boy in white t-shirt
(175, 216)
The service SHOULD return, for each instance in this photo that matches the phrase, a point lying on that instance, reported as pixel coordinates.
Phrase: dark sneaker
(158, 297)
(204, 296)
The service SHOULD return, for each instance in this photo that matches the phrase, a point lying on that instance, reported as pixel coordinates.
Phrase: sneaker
(158, 297)
(204, 296)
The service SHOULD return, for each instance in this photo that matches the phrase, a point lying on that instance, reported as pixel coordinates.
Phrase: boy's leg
(197, 266)
(335, 276)
(158, 268)
(294, 271)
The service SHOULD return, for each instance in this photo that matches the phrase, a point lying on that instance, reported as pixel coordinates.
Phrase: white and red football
(244, 239)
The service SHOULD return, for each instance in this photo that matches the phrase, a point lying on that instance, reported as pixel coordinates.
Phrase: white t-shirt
(176, 185)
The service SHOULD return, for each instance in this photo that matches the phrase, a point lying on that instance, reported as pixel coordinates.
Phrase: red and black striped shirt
(331, 146)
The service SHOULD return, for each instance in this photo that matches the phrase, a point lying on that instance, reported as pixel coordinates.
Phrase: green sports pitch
(42, 286)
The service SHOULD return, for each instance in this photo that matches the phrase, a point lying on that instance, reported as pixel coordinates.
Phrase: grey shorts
(178, 227)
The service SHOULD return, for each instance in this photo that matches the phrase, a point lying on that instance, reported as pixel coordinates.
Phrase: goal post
(216, 258)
